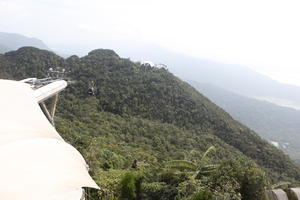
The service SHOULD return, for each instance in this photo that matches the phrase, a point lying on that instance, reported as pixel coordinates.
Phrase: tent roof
(20, 114)
(36, 163)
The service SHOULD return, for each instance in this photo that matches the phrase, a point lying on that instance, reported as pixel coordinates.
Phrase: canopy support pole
(46, 112)
(53, 106)
(50, 115)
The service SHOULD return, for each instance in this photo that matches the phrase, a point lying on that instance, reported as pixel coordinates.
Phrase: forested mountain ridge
(232, 77)
(273, 122)
(143, 113)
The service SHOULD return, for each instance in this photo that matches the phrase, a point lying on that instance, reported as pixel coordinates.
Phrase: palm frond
(209, 167)
(181, 165)
(206, 171)
(211, 149)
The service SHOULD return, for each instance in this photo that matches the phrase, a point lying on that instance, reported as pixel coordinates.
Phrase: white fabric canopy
(36, 163)
(76, 194)
(20, 115)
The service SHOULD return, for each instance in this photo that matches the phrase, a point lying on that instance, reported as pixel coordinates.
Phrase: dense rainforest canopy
(139, 118)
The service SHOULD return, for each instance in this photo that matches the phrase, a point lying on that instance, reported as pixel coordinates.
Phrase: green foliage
(159, 191)
(211, 149)
(128, 188)
(246, 177)
(203, 195)
(182, 165)
(149, 115)
(253, 184)
(109, 182)
(198, 169)
(273, 122)
(131, 186)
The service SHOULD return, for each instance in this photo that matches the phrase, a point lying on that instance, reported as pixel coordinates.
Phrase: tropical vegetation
(146, 134)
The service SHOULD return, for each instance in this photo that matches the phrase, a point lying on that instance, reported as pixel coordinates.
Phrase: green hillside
(149, 115)
(273, 122)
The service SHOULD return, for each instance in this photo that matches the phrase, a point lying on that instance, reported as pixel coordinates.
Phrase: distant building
(152, 64)
(148, 63)
(276, 144)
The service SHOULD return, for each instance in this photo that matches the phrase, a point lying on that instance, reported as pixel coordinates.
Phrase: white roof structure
(49, 90)
(36, 163)
(152, 64)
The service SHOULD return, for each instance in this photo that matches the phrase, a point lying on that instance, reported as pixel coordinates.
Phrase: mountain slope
(13, 41)
(127, 89)
(236, 78)
(275, 123)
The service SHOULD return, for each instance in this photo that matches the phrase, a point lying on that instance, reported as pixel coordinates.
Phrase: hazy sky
(261, 34)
